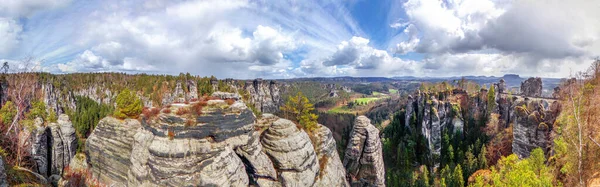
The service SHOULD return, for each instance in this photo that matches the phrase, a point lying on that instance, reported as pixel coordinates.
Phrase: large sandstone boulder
(532, 87)
(292, 153)
(109, 149)
(364, 159)
(64, 144)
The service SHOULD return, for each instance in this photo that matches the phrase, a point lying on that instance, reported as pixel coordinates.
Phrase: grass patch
(367, 100)
(393, 91)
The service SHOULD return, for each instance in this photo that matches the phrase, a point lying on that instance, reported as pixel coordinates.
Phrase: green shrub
(128, 105)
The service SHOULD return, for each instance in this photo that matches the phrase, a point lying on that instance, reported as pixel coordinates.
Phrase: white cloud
(25, 8)
(9, 35)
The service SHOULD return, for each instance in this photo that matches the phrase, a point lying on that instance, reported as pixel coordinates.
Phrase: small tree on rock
(299, 109)
(128, 105)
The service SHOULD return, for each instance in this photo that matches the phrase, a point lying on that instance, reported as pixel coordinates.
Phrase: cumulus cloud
(499, 36)
(9, 35)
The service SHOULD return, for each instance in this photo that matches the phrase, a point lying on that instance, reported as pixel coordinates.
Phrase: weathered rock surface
(364, 158)
(109, 149)
(64, 144)
(264, 95)
(3, 181)
(532, 87)
(532, 125)
(168, 153)
(39, 148)
(292, 153)
(224, 146)
(333, 172)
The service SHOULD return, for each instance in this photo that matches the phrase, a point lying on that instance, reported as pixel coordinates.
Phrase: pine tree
(7, 112)
(299, 109)
(128, 105)
(446, 176)
(457, 177)
(491, 96)
(482, 159)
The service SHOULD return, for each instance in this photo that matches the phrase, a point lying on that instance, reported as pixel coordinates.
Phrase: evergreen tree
(446, 176)
(8, 112)
(423, 178)
(52, 117)
(482, 159)
(491, 96)
(299, 109)
(457, 177)
(38, 109)
(128, 105)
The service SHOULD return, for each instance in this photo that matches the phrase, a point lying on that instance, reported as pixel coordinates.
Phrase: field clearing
(393, 91)
(366, 100)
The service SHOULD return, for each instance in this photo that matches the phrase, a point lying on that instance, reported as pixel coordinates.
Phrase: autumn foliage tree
(577, 142)
(299, 109)
(128, 105)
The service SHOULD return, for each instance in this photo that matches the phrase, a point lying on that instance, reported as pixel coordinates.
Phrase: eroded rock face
(292, 153)
(109, 149)
(532, 87)
(333, 172)
(364, 159)
(39, 148)
(224, 146)
(3, 181)
(532, 125)
(168, 153)
(264, 95)
(64, 144)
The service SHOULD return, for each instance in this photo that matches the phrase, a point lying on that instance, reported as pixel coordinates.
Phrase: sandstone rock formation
(533, 123)
(64, 144)
(532, 87)
(224, 146)
(109, 149)
(364, 159)
(39, 148)
(292, 153)
(333, 172)
(264, 95)
(3, 181)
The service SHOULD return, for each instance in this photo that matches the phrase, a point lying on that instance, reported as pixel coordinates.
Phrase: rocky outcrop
(224, 146)
(264, 95)
(3, 180)
(532, 87)
(109, 149)
(64, 144)
(533, 123)
(39, 148)
(364, 159)
(332, 171)
(292, 152)
(167, 152)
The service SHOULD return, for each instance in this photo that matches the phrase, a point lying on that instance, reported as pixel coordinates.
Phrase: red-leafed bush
(150, 112)
(197, 107)
(229, 101)
(182, 111)
(166, 111)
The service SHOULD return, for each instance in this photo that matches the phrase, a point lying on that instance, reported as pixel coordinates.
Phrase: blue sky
(290, 38)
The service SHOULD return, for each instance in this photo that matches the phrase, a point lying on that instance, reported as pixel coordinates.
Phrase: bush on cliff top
(128, 105)
(299, 109)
